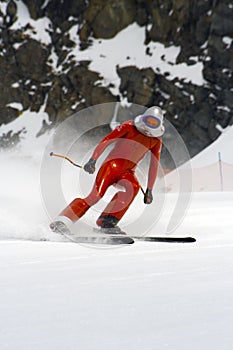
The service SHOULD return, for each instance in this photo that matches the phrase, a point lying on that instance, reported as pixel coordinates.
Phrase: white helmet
(150, 123)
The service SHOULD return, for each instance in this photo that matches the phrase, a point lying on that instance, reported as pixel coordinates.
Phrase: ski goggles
(151, 121)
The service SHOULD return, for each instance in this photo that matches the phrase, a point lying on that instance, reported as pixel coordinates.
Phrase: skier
(133, 139)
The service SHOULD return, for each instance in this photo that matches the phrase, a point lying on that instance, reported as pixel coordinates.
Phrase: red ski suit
(119, 167)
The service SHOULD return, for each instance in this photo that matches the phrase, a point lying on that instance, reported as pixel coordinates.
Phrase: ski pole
(142, 190)
(52, 154)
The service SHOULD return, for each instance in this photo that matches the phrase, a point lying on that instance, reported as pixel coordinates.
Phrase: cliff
(40, 71)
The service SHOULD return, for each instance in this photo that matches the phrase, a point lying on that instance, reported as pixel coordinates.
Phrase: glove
(148, 198)
(89, 167)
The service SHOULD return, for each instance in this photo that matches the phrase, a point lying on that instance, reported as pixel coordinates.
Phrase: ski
(110, 238)
(164, 239)
(119, 239)
(101, 239)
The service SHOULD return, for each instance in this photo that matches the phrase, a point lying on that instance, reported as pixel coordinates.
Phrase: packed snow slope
(57, 295)
(65, 296)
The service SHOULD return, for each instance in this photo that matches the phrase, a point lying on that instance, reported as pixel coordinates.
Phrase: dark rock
(11, 12)
(222, 23)
(57, 11)
(200, 94)
(161, 24)
(222, 116)
(8, 114)
(35, 8)
(74, 91)
(215, 75)
(31, 59)
(202, 29)
(137, 84)
(203, 117)
(199, 134)
(213, 132)
(228, 99)
(217, 50)
(231, 121)
(84, 33)
(106, 19)
(141, 16)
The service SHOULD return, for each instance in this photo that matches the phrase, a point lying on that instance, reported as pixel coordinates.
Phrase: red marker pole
(220, 170)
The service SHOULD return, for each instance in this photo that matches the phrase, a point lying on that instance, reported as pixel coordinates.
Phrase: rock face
(202, 29)
(104, 19)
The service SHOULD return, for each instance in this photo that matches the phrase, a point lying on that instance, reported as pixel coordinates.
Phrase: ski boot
(59, 227)
(108, 225)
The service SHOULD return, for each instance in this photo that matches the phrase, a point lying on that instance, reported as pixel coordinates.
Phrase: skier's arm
(154, 164)
(120, 131)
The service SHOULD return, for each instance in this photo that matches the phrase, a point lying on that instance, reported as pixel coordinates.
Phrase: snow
(223, 145)
(40, 28)
(57, 295)
(15, 105)
(127, 48)
(149, 295)
(228, 41)
(217, 160)
(31, 123)
(60, 295)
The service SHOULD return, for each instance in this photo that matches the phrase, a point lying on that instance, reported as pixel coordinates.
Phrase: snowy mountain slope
(67, 74)
(105, 56)
(222, 145)
(210, 170)
(57, 295)
(126, 53)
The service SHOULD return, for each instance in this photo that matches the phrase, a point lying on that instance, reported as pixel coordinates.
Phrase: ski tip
(129, 240)
(165, 239)
(114, 240)
(190, 239)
